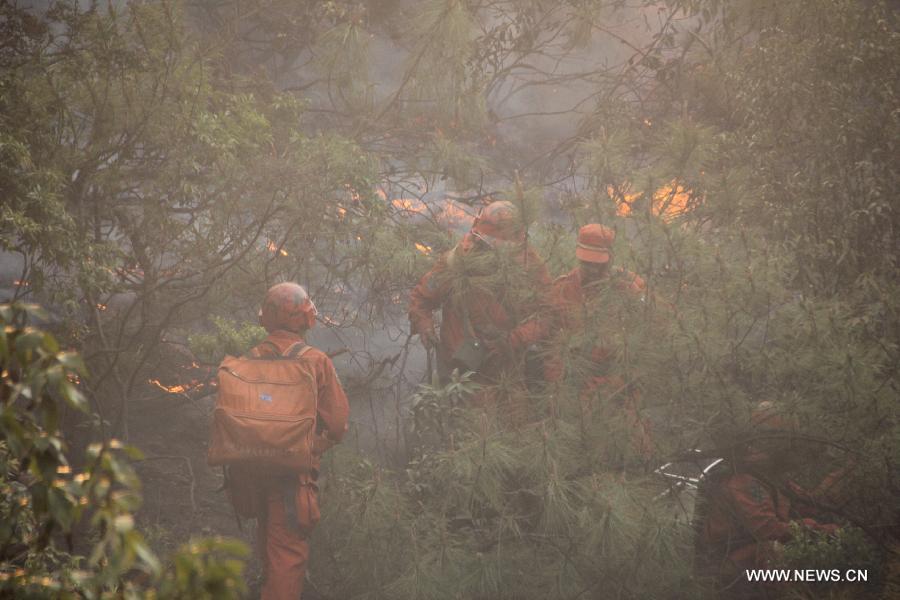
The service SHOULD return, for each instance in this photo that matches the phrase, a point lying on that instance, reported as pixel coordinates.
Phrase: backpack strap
(296, 350)
(255, 352)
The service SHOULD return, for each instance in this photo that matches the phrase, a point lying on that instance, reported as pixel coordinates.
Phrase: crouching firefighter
(746, 506)
(279, 408)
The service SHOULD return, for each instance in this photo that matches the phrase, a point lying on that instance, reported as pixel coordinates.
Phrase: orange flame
(423, 248)
(21, 283)
(354, 194)
(274, 249)
(669, 201)
(173, 389)
(454, 215)
(101, 307)
(409, 205)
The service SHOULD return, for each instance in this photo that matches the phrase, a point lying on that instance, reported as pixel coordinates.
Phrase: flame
(669, 201)
(101, 307)
(274, 249)
(409, 205)
(423, 248)
(354, 194)
(454, 215)
(173, 389)
(624, 199)
(21, 283)
(342, 212)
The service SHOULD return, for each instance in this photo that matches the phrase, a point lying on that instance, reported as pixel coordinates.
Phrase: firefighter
(484, 325)
(286, 503)
(585, 304)
(746, 507)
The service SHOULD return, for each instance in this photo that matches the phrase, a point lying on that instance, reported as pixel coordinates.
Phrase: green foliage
(229, 338)
(848, 548)
(46, 499)
(494, 508)
(437, 409)
(161, 169)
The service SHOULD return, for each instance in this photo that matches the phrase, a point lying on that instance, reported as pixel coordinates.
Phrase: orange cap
(497, 222)
(595, 243)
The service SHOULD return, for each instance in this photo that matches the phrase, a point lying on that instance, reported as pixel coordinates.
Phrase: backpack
(265, 414)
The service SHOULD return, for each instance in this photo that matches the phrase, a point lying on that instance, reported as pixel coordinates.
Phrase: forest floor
(183, 496)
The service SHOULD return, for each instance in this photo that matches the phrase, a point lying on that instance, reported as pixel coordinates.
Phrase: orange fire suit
(286, 503)
(570, 315)
(489, 317)
(742, 519)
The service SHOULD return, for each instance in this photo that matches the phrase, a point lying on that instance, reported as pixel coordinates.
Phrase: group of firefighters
(747, 507)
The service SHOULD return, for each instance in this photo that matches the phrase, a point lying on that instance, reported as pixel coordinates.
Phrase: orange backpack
(265, 411)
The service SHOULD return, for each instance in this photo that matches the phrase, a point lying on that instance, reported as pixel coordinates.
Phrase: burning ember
(198, 382)
(101, 307)
(423, 248)
(174, 389)
(21, 283)
(274, 249)
(354, 194)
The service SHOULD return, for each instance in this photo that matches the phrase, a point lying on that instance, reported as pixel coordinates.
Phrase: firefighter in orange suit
(578, 301)
(746, 510)
(286, 503)
(503, 323)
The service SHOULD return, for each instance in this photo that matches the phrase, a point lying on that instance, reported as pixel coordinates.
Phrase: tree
(48, 499)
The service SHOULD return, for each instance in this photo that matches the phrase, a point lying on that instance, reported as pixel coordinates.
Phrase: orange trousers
(284, 552)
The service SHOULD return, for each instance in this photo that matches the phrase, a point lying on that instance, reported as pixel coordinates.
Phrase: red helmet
(287, 306)
(498, 222)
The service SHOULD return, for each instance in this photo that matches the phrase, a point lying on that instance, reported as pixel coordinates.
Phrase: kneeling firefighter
(279, 408)
(745, 508)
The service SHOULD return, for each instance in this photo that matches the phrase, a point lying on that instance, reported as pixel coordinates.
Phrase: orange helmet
(595, 243)
(766, 418)
(287, 306)
(498, 222)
